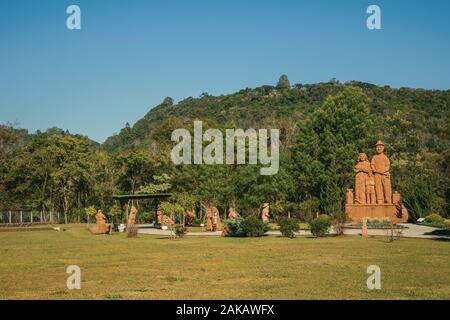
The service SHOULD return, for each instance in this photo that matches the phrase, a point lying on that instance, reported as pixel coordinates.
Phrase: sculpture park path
(411, 231)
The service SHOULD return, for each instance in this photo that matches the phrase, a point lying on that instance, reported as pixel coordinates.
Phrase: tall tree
(328, 143)
(283, 82)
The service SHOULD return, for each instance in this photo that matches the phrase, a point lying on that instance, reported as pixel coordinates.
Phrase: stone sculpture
(373, 196)
(163, 220)
(380, 166)
(100, 227)
(362, 170)
(265, 212)
(189, 216)
(213, 222)
(132, 216)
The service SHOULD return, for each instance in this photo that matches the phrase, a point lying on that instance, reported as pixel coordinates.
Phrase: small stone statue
(362, 170)
(100, 227)
(370, 190)
(213, 222)
(189, 216)
(265, 212)
(232, 216)
(132, 217)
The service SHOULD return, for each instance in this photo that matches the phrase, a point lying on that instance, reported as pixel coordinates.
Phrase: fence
(28, 217)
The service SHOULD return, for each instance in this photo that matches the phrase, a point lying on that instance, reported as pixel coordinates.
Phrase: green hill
(426, 112)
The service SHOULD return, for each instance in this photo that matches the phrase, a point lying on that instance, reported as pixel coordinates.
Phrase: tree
(328, 143)
(133, 168)
(283, 83)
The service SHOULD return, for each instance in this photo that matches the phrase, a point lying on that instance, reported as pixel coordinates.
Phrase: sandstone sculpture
(132, 216)
(373, 196)
(380, 165)
(370, 190)
(189, 216)
(163, 220)
(213, 222)
(100, 227)
(362, 170)
(265, 212)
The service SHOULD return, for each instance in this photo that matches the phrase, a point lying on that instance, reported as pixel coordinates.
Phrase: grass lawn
(33, 266)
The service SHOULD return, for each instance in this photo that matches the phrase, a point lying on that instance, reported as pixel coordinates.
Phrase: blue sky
(129, 55)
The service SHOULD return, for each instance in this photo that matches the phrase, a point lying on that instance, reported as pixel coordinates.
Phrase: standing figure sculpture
(363, 171)
(265, 212)
(213, 222)
(132, 217)
(380, 166)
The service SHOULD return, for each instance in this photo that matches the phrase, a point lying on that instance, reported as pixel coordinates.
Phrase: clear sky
(129, 55)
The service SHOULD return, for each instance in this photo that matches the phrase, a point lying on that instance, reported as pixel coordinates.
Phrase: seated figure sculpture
(100, 227)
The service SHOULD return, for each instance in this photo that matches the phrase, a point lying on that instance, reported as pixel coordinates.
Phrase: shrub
(320, 227)
(288, 226)
(325, 217)
(248, 227)
(180, 231)
(254, 227)
(434, 218)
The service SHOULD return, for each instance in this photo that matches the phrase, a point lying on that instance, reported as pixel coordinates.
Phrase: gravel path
(412, 231)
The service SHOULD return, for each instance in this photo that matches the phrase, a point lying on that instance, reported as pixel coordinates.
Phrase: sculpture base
(397, 213)
(100, 228)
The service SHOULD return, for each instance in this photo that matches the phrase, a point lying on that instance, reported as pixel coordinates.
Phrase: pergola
(125, 199)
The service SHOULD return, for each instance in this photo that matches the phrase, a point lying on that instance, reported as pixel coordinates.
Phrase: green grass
(33, 266)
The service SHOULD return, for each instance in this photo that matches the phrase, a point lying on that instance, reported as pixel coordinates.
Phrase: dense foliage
(288, 227)
(250, 226)
(320, 226)
(323, 128)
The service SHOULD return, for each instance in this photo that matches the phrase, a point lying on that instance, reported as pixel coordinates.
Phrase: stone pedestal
(397, 213)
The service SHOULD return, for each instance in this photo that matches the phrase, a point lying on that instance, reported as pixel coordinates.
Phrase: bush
(254, 227)
(434, 218)
(180, 231)
(325, 217)
(248, 227)
(320, 227)
(288, 226)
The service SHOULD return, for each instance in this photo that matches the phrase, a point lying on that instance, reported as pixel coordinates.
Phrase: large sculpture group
(373, 180)
(373, 197)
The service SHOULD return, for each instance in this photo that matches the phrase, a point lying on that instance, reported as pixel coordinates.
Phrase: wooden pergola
(125, 199)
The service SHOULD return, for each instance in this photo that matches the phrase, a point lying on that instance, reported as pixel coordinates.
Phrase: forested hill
(323, 128)
(424, 112)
